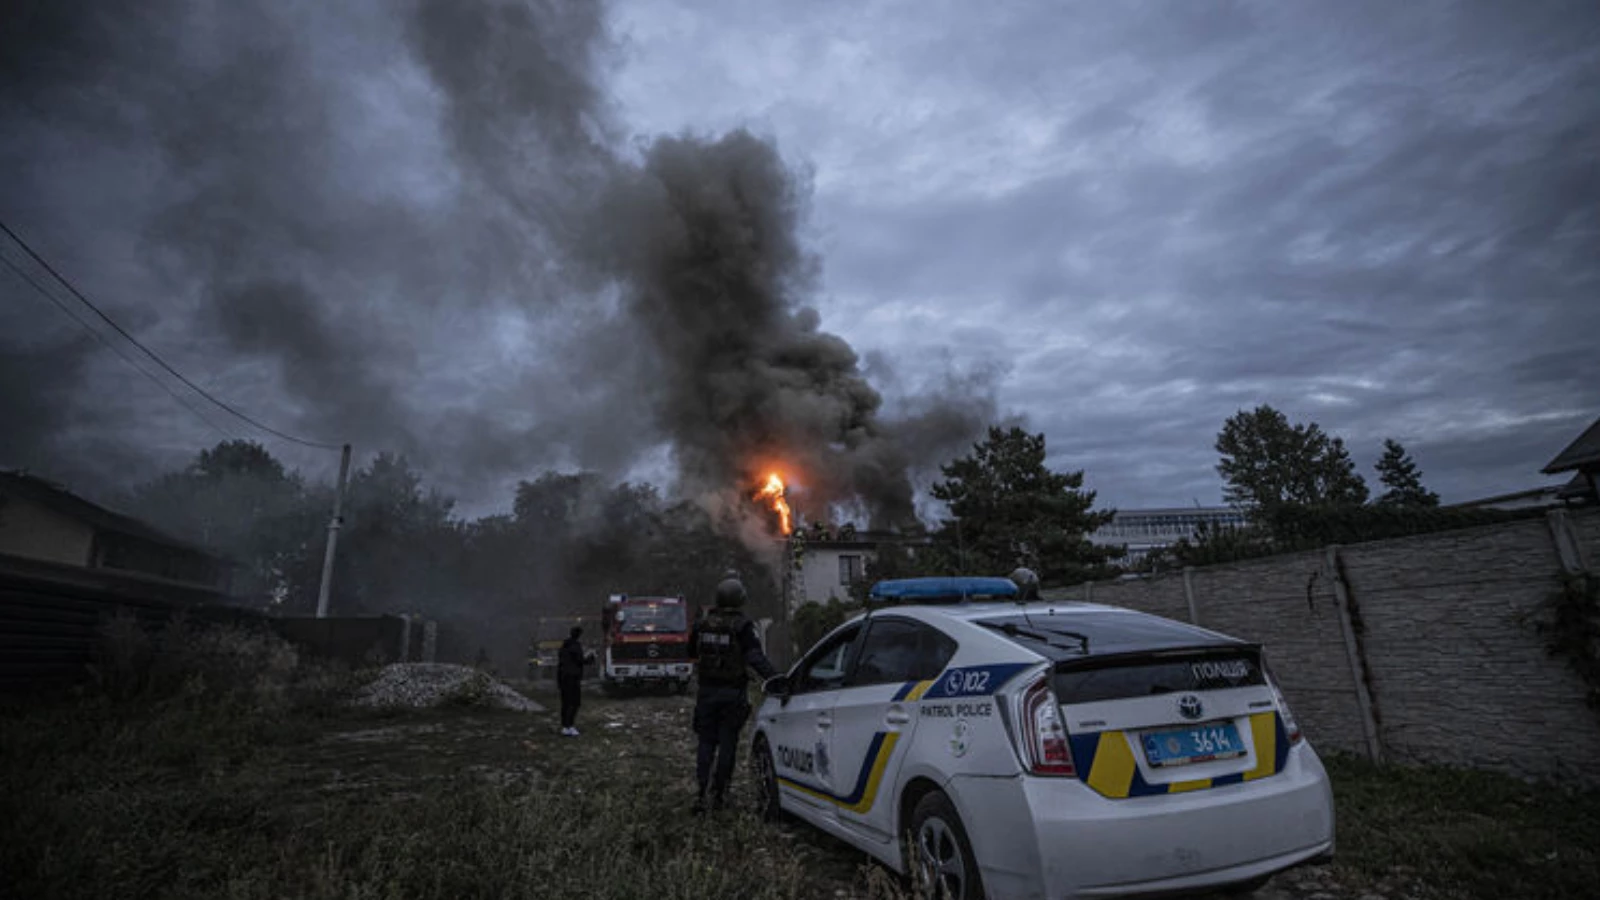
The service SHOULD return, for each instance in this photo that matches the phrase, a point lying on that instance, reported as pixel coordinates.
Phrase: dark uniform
(569, 679)
(725, 644)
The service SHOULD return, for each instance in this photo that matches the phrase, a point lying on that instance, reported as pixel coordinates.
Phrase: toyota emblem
(1189, 707)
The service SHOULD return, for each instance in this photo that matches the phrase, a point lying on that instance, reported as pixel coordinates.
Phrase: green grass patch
(150, 801)
(1459, 833)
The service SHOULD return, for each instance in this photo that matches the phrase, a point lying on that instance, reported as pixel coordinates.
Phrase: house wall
(819, 574)
(33, 531)
(1440, 631)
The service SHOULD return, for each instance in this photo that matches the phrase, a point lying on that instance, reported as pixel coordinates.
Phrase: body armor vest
(721, 657)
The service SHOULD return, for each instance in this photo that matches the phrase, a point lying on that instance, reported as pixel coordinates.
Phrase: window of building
(850, 569)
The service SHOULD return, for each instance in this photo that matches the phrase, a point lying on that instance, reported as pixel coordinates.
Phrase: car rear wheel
(946, 868)
(765, 776)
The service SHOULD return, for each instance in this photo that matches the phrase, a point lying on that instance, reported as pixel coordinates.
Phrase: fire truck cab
(646, 643)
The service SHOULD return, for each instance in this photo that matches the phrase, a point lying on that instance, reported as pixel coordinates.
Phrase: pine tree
(1399, 473)
(1009, 509)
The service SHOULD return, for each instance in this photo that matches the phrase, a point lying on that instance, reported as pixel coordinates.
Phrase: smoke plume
(412, 226)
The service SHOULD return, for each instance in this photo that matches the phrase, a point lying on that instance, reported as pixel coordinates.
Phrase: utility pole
(333, 533)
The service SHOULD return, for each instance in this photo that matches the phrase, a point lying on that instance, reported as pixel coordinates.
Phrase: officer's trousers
(720, 712)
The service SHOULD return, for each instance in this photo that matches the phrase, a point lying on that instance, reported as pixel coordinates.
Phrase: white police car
(1046, 750)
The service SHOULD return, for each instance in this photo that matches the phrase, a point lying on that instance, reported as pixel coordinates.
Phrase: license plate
(652, 670)
(1195, 744)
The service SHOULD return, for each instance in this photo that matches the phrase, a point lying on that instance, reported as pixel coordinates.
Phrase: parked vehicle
(646, 643)
(549, 633)
(1046, 750)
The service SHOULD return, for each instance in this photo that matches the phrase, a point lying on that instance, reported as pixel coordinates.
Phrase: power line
(45, 292)
(150, 353)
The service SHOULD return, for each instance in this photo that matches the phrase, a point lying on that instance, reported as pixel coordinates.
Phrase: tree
(1268, 463)
(240, 501)
(1008, 509)
(1399, 473)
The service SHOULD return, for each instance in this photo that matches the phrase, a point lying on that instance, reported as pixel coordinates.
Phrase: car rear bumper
(1057, 838)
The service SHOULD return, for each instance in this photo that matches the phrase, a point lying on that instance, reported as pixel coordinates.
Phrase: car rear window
(1068, 634)
(1207, 670)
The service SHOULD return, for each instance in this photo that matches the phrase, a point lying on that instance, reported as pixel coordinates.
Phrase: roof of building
(860, 539)
(58, 498)
(1549, 492)
(1582, 453)
(1181, 510)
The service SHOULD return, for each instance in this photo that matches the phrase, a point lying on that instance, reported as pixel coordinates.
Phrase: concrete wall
(1440, 632)
(32, 531)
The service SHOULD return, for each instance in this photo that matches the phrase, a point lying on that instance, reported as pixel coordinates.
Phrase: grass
(1462, 833)
(154, 800)
(205, 790)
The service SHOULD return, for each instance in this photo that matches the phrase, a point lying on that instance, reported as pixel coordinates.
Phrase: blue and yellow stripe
(865, 792)
(912, 691)
(1105, 761)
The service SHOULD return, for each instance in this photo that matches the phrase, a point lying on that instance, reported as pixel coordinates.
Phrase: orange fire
(773, 492)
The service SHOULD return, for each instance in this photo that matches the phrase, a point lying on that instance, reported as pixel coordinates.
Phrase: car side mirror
(777, 686)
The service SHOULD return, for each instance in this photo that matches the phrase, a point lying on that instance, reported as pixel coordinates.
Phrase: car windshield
(653, 617)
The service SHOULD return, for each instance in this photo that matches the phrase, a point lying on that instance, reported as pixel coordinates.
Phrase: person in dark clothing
(569, 679)
(725, 645)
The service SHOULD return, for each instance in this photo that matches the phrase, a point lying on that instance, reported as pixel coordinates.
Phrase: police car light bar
(957, 589)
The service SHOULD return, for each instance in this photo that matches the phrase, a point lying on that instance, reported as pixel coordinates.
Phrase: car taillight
(1043, 735)
(1283, 712)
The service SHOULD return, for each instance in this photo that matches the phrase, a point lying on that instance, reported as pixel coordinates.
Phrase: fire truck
(646, 643)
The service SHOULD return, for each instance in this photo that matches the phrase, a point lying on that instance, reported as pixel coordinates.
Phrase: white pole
(333, 534)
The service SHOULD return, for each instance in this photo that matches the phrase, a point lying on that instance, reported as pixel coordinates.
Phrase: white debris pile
(430, 685)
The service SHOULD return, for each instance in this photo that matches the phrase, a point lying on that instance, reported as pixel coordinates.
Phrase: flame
(773, 491)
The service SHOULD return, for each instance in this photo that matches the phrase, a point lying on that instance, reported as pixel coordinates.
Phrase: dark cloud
(1385, 219)
(419, 226)
(413, 226)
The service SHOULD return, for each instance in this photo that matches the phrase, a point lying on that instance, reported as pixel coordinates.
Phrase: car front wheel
(946, 868)
(765, 776)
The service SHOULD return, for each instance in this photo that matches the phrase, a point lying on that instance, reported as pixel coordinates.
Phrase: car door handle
(824, 720)
(897, 716)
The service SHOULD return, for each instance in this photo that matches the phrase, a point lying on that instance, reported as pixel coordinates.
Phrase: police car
(1046, 750)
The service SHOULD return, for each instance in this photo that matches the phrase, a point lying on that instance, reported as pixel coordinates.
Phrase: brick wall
(1443, 628)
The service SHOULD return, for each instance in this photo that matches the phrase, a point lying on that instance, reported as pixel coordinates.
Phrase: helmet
(1027, 582)
(730, 593)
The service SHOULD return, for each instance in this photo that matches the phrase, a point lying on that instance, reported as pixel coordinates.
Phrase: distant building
(1581, 457)
(41, 522)
(824, 567)
(1547, 497)
(1146, 530)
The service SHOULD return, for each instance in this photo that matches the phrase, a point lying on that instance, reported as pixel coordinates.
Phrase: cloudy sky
(1120, 222)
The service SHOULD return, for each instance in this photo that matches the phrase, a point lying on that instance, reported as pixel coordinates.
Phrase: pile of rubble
(430, 685)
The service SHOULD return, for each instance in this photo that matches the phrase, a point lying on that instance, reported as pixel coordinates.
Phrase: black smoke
(413, 226)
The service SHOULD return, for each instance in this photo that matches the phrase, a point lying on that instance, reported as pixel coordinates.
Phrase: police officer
(725, 644)
(569, 679)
